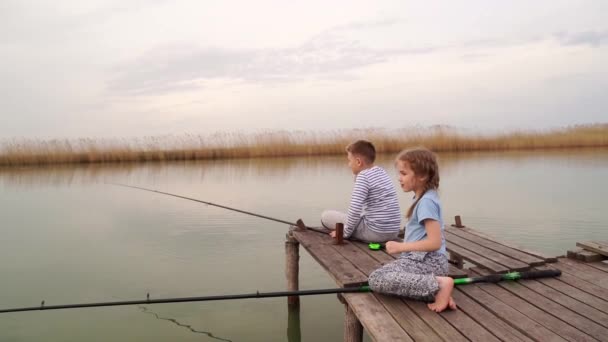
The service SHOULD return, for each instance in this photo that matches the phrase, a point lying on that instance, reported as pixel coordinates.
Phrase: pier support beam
(292, 272)
(292, 267)
(457, 259)
(353, 330)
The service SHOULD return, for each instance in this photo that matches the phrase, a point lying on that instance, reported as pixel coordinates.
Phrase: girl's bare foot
(443, 298)
(452, 304)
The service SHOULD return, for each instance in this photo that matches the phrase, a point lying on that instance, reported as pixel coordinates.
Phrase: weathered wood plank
(378, 322)
(583, 271)
(507, 294)
(361, 260)
(487, 319)
(584, 255)
(568, 302)
(468, 326)
(381, 256)
(599, 294)
(594, 247)
(547, 258)
(502, 259)
(476, 259)
(483, 294)
(409, 321)
(602, 266)
(435, 321)
(500, 248)
(566, 314)
(341, 270)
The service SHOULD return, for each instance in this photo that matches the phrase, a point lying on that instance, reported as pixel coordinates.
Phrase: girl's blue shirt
(429, 207)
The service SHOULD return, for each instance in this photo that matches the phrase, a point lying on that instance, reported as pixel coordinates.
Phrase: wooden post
(294, 333)
(457, 259)
(339, 239)
(292, 267)
(353, 330)
(458, 222)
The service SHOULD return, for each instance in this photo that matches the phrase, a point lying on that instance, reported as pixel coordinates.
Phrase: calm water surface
(68, 236)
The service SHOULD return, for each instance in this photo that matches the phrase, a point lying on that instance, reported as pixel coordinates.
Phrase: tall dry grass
(22, 152)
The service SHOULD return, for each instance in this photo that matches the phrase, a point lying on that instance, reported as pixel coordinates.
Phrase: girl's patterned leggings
(412, 275)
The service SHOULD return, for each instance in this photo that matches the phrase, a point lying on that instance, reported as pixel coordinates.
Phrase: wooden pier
(572, 307)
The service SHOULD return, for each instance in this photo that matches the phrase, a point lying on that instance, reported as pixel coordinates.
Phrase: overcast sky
(91, 68)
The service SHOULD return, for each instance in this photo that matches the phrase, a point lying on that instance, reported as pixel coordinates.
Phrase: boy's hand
(394, 247)
(333, 234)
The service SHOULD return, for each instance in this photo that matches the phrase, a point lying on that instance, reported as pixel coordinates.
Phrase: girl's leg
(417, 279)
(329, 218)
(400, 278)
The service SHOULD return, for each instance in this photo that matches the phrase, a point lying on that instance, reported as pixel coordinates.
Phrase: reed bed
(28, 152)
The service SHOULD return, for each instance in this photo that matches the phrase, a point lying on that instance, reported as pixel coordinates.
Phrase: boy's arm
(430, 244)
(357, 198)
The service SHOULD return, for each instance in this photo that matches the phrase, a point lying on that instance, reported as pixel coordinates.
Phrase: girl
(421, 270)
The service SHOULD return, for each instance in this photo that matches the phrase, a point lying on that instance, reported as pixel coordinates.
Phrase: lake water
(68, 237)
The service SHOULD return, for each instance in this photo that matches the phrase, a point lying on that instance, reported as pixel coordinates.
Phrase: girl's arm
(430, 244)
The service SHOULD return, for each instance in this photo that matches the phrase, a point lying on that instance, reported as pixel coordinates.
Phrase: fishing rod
(299, 223)
(491, 278)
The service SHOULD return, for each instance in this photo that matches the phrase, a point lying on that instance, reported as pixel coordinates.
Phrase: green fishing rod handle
(463, 281)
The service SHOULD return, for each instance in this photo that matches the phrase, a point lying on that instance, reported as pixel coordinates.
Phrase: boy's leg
(363, 233)
(329, 218)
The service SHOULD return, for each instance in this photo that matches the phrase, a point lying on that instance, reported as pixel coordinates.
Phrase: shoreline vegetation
(32, 152)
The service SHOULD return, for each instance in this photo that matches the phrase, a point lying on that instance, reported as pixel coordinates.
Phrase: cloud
(328, 55)
(592, 38)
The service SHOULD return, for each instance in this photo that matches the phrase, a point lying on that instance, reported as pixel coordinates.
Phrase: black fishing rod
(209, 203)
(491, 278)
(192, 299)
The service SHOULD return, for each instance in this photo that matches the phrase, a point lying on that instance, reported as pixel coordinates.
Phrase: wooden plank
(476, 259)
(602, 266)
(584, 255)
(483, 294)
(599, 293)
(552, 306)
(381, 256)
(585, 272)
(378, 322)
(361, 260)
(502, 259)
(409, 321)
(550, 321)
(487, 319)
(567, 301)
(344, 273)
(549, 259)
(509, 251)
(437, 322)
(468, 326)
(594, 247)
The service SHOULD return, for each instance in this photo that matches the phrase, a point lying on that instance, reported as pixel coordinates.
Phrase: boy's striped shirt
(374, 199)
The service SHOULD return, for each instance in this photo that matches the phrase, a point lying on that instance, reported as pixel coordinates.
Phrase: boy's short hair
(364, 149)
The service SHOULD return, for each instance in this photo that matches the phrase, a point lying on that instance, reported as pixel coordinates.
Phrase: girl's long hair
(424, 164)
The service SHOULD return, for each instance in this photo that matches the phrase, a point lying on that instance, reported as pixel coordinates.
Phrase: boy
(373, 214)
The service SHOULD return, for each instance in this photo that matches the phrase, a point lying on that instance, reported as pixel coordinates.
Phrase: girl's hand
(394, 247)
(333, 234)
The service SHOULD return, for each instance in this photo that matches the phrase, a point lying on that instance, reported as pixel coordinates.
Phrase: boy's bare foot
(443, 298)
